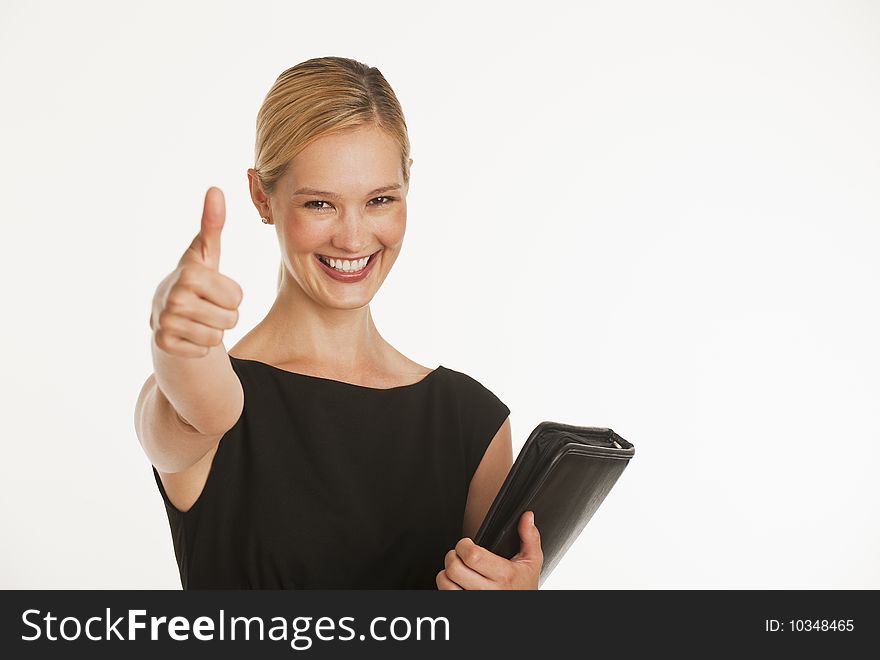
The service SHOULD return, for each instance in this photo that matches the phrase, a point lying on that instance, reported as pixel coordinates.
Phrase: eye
(316, 201)
(386, 197)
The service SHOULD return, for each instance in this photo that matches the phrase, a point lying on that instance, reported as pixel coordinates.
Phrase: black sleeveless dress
(323, 484)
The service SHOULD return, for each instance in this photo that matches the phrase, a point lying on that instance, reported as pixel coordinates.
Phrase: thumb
(530, 538)
(205, 247)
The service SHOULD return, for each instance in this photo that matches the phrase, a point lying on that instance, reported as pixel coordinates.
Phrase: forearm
(201, 390)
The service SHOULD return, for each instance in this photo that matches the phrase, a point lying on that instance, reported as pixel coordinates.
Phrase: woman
(313, 454)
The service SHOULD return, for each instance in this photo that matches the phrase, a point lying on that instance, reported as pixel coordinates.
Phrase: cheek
(390, 230)
(303, 236)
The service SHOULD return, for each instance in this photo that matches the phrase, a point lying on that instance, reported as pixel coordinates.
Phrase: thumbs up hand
(471, 566)
(195, 303)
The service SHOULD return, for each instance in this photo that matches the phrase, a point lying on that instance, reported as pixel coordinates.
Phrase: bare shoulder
(405, 368)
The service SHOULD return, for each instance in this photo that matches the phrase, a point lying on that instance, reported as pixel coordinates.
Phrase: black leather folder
(562, 473)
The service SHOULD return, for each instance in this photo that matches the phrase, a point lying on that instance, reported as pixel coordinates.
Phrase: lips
(342, 276)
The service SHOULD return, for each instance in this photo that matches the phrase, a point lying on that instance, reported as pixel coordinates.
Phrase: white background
(658, 217)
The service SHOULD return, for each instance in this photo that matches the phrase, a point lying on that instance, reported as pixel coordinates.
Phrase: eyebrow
(333, 195)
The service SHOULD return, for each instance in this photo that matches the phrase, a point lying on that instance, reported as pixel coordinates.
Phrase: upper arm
(487, 480)
(169, 441)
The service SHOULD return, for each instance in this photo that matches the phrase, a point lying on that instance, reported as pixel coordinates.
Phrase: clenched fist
(195, 303)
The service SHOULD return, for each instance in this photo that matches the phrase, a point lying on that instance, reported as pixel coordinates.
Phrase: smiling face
(340, 215)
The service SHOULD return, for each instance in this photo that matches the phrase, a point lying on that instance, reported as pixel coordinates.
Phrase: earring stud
(265, 220)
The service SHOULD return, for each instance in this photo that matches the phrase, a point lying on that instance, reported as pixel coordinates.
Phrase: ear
(410, 168)
(258, 197)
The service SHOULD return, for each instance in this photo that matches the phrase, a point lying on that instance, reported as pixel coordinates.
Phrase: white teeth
(345, 265)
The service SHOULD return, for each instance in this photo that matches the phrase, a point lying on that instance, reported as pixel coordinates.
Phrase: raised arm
(193, 395)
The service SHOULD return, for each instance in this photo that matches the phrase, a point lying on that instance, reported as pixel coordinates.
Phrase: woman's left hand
(471, 566)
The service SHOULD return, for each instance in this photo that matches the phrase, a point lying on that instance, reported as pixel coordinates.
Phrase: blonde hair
(319, 97)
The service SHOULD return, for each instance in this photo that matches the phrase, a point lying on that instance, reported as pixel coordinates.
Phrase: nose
(351, 233)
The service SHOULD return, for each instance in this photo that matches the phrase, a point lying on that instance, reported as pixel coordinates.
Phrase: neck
(297, 329)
